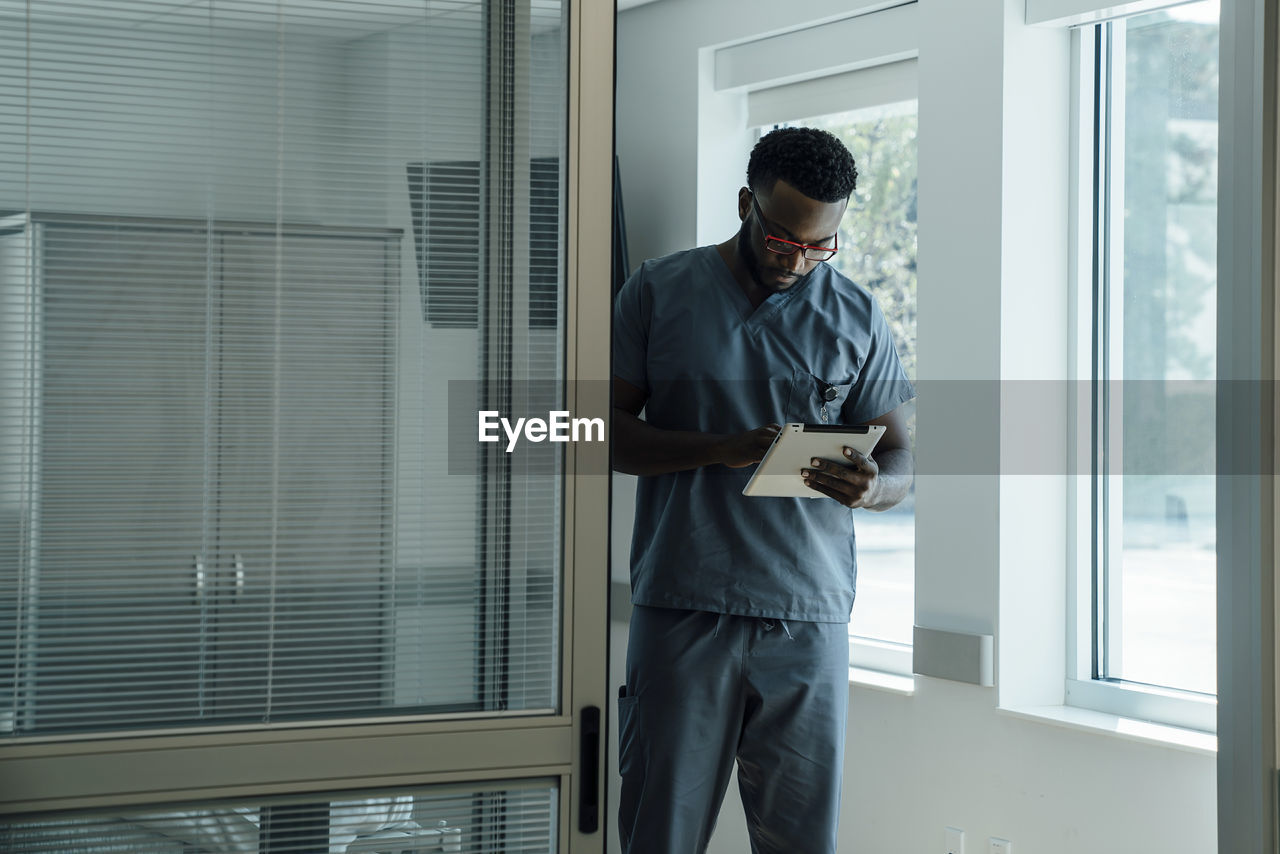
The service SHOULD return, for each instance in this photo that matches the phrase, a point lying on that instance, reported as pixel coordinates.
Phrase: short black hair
(813, 161)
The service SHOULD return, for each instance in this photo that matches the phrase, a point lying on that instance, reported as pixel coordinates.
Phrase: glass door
(261, 596)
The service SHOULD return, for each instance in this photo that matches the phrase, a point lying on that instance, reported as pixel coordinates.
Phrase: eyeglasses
(780, 246)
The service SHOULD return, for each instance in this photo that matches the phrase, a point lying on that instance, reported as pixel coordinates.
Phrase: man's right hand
(743, 449)
(640, 448)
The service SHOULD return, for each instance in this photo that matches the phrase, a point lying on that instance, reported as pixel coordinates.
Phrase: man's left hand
(852, 484)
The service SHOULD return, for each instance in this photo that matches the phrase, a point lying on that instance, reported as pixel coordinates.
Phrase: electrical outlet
(955, 840)
(1001, 846)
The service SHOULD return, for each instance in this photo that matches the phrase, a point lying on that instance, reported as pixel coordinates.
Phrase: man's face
(784, 212)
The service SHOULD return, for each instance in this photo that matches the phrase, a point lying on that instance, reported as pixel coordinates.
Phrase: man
(739, 636)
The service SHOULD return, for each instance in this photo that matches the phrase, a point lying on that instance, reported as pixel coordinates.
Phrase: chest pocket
(816, 400)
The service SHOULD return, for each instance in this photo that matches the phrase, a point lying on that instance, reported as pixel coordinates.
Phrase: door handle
(589, 771)
(199, 578)
(239, 567)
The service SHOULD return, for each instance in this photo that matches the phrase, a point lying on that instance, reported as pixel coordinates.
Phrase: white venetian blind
(512, 818)
(255, 258)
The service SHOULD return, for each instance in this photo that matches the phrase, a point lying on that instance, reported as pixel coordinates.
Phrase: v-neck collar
(753, 317)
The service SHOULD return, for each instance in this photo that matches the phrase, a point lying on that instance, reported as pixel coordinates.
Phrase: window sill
(1130, 729)
(894, 683)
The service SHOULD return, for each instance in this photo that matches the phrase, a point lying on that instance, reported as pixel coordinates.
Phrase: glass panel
(1160, 612)
(251, 251)
(498, 817)
(878, 251)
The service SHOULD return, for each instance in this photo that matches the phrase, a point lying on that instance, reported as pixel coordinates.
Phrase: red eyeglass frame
(800, 247)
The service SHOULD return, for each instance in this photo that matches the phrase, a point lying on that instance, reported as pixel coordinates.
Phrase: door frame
(1248, 490)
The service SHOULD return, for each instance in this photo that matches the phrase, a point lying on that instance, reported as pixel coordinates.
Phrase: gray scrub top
(686, 334)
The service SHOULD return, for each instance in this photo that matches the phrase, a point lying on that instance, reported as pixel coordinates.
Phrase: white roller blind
(1061, 13)
(247, 248)
(892, 83)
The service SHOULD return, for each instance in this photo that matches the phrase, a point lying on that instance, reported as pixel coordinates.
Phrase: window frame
(1097, 253)
(842, 63)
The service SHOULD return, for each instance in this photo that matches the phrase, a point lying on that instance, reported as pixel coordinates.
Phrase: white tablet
(794, 448)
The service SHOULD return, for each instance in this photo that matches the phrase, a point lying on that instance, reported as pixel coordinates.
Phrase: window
(873, 108)
(1150, 615)
(878, 251)
(232, 505)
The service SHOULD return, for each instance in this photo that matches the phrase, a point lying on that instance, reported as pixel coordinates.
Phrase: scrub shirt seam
(753, 319)
(681, 603)
(757, 322)
(900, 397)
(745, 628)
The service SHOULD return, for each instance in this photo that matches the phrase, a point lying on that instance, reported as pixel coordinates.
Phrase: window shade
(1062, 13)
(225, 488)
(837, 93)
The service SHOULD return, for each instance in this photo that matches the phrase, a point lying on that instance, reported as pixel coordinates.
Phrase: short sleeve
(631, 316)
(882, 385)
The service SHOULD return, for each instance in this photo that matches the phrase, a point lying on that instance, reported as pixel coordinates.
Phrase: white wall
(990, 551)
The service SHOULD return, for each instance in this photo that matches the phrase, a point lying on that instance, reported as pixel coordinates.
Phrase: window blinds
(510, 817)
(227, 491)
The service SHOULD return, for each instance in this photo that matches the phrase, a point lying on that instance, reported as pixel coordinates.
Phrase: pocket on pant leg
(630, 768)
(627, 745)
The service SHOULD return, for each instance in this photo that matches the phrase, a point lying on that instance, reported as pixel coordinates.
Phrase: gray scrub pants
(705, 689)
